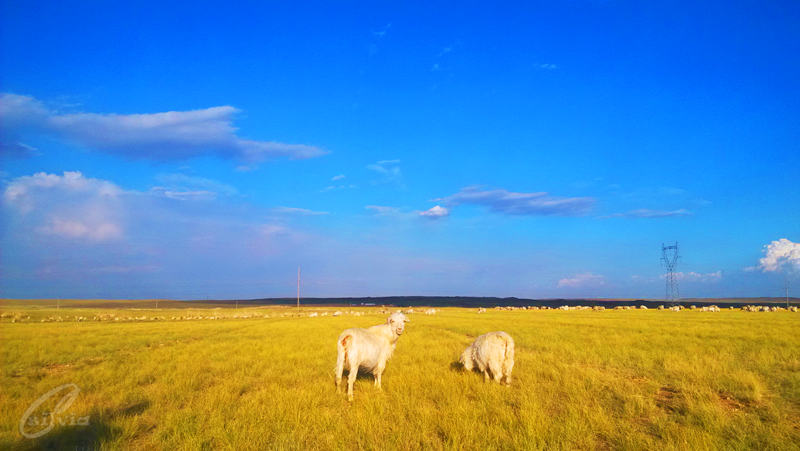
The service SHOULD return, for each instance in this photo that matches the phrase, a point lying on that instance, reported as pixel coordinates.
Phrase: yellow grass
(626, 379)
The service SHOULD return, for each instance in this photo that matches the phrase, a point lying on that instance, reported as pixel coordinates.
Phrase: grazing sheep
(492, 352)
(481, 310)
(368, 350)
(313, 315)
(430, 311)
(642, 307)
(321, 314)
(337, 313)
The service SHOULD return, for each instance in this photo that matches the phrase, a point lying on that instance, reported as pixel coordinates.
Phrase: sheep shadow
(457, 366)
(360, 376)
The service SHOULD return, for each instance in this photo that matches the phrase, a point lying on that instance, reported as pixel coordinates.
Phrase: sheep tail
(343, 347)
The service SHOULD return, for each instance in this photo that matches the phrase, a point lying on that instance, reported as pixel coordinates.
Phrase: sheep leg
(497, 373)
(339, 370)
(351, 379)
(485, 376)
(509, 367)
(378, 381)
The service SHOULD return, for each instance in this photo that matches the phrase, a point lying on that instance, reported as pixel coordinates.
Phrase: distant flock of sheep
(19, 317)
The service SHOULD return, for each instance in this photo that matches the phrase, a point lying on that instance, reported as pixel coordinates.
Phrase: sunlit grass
(583, 380)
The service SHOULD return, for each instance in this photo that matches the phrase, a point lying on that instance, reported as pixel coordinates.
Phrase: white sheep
(430, 311)
(368, 350)
(313, 315)
(481, 310)
(492, 352)
(337, 313)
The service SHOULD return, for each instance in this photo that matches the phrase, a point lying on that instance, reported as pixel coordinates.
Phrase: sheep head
(466, 359)
(397, 322)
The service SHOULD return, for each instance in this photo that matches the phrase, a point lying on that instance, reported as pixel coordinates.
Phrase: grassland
(627, 379)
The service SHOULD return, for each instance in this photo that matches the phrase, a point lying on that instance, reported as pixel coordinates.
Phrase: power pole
(298, 290)
(669, 258)
(786, 287)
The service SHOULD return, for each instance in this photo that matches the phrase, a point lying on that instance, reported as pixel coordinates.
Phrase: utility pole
(298, 290)
(786, 287)
(669, 258)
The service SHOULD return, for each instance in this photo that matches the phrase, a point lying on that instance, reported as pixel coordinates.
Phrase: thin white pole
(298, 290)
(786, 287)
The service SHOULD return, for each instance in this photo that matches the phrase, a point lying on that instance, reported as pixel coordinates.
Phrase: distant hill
(474, 302)
(394, 301)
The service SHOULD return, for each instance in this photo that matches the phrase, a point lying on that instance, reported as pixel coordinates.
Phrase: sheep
(430, 312)
(367, 349)
(337, 313)
(481, 310)
(313, 315)
(492, 352)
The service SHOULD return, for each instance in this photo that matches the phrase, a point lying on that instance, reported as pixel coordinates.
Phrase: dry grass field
(628, 379)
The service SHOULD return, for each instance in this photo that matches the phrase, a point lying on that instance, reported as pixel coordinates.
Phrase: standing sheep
(492, 352)
(368, 350)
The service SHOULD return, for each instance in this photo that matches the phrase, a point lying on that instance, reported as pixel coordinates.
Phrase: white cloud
(510, 203)
(646, 213)
(338, 177)
(298, 211)
(696, 277)
(779, 254)
(188, 183)
(382, 210)
(17, 150)
(382, 33)
(389, 170)
(174, 135)
(69, 205)
(21, 193)
(101, 231)
(435, 212)
(582, 280)
(183, 194)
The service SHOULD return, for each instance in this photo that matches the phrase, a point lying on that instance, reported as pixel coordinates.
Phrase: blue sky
(192, 150)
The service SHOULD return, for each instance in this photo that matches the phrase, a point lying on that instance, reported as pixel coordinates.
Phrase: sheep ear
(406, 320)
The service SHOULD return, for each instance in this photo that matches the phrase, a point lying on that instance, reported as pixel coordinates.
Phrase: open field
(628, 379)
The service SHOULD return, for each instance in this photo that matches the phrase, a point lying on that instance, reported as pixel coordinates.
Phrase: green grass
(626, 379)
